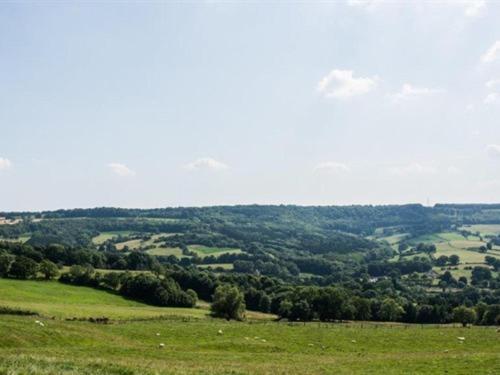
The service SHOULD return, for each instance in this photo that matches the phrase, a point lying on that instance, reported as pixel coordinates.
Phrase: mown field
(193, 345)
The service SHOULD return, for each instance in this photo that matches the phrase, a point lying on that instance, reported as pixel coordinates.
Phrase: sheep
(461, 338)
(158, 334)
(161, 346)
(219, 332)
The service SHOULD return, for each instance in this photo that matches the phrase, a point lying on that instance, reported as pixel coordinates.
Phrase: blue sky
(167, 104)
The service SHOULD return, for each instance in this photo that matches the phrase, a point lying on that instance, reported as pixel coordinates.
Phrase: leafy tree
(464, 315)
(228, 302)
(390, 310)
(48, 269)
(23, 268)
(5, 263)
(441, 261)
(454, 259)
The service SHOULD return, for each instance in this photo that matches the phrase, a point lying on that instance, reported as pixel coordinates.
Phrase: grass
(51, 298)
(484, 229)
(203, 251)
(105, 236)
(194, 346)
(140, 243)
(243, 348)
(166, 251)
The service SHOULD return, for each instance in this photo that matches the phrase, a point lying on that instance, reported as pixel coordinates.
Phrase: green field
(166, 251)
(484, 229)
(51, 298)
(203, 251)
(195, 347)
(105, 236)
(192, 344)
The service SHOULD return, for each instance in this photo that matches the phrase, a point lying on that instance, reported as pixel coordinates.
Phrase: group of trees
(22, 267)
(159, 290)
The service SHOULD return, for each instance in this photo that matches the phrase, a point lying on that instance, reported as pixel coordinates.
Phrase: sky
(154, 104)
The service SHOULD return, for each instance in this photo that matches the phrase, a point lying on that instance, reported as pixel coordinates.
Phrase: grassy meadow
(130, 344)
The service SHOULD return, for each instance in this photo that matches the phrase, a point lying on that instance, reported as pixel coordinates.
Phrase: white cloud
(409, 91)
(413, 169)
(121, 170)
(453, 170)
(332, 167)
(206, 163)
(366, 4)
(474, 8)
(492, 54)
(493, 151)
(341, 84)
(5, 163)
(491, 98)
(491, 84)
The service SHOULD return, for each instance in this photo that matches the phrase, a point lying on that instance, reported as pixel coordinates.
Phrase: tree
(228, 302)
(48, 269)
(464, 315)
(441, 261)
(390, 310)
(454, 259)
(5, 263)
(489, 246)
(23, 268)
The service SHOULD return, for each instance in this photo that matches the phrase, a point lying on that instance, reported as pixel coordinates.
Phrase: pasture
(130, 344)
(204, 251)
(195, 347)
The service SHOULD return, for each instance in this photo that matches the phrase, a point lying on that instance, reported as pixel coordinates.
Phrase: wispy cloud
(332, 167)
(413, 169)
(474, 8)
(493, 83)
(409, 91)
(207, 164)
(341, 84)
(5, 163)
(493, 151)
(492, 54)
(491, 98)
(121, 170)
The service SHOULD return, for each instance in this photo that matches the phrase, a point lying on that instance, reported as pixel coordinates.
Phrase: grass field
(203, 251)
(105, 236)
(194, 346)
(484, 229)
(243, 348)
(51, 298)
(166, 251)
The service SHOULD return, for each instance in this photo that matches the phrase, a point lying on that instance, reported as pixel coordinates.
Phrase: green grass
(243, 348)
(484, 229)
(51, 298)
(105, 236)
(203, 251)
(194, 346)
(166, 251)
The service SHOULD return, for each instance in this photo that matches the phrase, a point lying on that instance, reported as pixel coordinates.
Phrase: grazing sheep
(263, 340)
(158, 334)
(219, 332)
(461, 338)
(161, 346)
(354, 341)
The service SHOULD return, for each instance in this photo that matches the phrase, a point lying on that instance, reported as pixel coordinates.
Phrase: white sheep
(161, 346)
(219, 332)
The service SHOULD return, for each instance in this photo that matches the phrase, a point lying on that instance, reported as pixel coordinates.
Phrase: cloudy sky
(167, 104)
